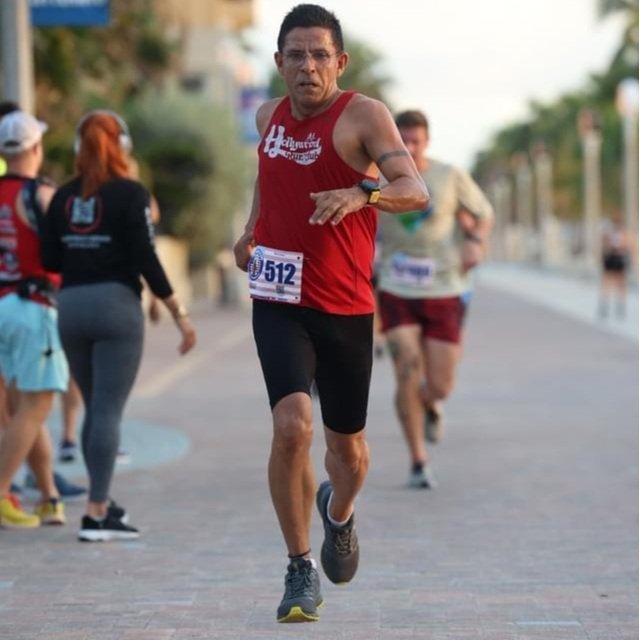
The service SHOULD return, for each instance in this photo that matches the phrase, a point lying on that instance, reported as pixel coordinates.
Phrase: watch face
(374, 196)
(369, 185)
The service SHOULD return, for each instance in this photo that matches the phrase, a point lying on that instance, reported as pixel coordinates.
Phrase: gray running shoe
(433, 425)
(340, 551)
(302, 597)
(422, 478)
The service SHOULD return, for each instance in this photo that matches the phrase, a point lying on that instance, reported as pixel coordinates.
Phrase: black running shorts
(614, 262)
(297, 345)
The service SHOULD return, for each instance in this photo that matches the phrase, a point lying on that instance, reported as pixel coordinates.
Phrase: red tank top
(296, 158)
(19, 242)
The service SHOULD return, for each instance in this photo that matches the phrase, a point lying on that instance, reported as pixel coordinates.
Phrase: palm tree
(628, 51)
(607, 7)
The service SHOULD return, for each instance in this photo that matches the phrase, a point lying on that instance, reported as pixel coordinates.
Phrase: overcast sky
(472, 65)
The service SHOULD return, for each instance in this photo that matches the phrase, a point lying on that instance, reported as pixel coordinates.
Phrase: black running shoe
(68, 451)
(117, 511)
(302, 597)
(340, 551)
(110, 528)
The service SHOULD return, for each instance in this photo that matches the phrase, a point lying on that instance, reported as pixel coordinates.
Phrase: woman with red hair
(99, 235)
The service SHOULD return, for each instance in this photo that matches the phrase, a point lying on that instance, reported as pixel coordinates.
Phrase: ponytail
(100, 156)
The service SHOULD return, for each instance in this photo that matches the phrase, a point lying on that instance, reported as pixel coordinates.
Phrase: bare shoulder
(369, 119)
(265, 112)
(362, 109)
(365, 132)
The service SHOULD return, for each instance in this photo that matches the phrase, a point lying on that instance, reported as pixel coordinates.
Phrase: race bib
(411, 272)
(275, 275)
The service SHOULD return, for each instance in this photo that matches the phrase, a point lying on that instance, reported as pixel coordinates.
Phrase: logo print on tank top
(302, 152)
(6, 221)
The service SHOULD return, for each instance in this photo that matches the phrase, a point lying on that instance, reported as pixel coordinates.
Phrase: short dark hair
(307, 16)
(8, 106)
(412, 118)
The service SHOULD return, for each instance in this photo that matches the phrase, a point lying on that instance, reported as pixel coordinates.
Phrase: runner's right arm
(243, 248)
(245, 244)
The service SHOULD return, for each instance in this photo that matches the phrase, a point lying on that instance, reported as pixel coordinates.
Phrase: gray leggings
(102, 331)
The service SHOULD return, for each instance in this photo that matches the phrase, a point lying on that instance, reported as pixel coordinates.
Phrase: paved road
(574, 296)
(532, 534)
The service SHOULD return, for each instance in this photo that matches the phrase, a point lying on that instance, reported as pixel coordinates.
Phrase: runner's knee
(440, 389)
(407, 365)
(351, 453)
(292, 432)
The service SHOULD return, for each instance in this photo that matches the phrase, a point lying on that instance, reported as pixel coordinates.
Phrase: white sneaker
(433, 424)
(422, 478)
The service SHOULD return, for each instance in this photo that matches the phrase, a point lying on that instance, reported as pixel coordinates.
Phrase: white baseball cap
(19, 131)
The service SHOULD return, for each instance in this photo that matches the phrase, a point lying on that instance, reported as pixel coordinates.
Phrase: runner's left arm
(476, 219)
(140, 239)
(472, 199)
(380, 140)
(140, 242)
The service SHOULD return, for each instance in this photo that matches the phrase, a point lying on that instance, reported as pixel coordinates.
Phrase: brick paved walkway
(532, 534)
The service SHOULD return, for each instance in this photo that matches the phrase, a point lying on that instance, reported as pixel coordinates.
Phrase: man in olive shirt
(423, 287)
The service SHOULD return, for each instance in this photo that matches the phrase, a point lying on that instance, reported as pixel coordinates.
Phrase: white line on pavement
(162, 381)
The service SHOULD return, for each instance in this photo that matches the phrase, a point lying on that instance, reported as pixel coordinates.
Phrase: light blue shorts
(31, 355)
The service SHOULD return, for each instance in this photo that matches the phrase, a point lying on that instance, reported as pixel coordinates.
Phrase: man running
(308, 248)
(426, 256)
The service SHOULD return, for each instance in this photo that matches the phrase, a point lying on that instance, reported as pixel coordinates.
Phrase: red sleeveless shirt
(19, 242)
(296, 158)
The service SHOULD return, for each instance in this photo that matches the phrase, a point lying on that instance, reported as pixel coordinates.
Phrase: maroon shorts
(440, 318)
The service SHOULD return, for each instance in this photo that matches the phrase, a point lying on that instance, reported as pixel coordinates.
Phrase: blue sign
(250, 100)
(69, 13)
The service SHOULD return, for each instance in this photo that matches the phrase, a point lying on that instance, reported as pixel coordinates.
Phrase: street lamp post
(524, 205)
(543, 171)
(503, 205)
(591, 135)
(17, 53)
(627, 104)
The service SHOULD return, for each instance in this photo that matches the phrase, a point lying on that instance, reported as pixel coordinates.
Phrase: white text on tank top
(303, 152)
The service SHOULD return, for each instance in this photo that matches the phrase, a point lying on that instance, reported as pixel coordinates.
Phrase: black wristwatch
(372, 189)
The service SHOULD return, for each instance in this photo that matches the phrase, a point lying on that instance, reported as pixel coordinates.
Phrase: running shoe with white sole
(340, 550)
(433, 425)
(110, 528)
(51, 512)
(68, 451)
(422, 477)
(117, 511)
(302, 597)
(122, 457)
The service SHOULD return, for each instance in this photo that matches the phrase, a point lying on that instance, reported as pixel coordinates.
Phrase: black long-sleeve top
(108, 237)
